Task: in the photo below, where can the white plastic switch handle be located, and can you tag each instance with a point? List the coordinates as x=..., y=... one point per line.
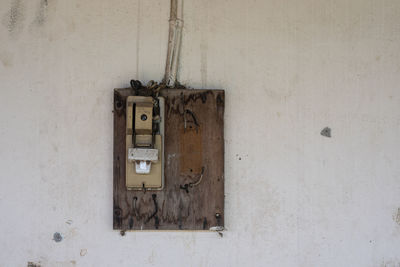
x=143, y=167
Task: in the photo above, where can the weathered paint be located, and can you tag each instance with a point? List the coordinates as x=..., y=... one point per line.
x=289, y=68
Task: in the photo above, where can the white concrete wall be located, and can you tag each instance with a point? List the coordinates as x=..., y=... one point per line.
x=290, y=68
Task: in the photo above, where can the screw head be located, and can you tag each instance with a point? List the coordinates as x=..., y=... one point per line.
x=143, y=117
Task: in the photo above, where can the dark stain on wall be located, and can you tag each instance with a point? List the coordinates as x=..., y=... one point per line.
x=32, y=264
x=326, y=132
x=41, y=14
x=14, y=19
x=396, y=217
x=57, y=237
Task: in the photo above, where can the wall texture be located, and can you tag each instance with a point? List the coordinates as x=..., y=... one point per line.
x=290, y=68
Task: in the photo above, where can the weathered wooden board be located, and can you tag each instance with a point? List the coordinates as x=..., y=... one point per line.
x=188, y=201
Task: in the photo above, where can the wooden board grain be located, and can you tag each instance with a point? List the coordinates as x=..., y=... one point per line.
x=190, y=200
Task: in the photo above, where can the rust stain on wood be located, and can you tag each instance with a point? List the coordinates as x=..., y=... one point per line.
x=191, y=157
